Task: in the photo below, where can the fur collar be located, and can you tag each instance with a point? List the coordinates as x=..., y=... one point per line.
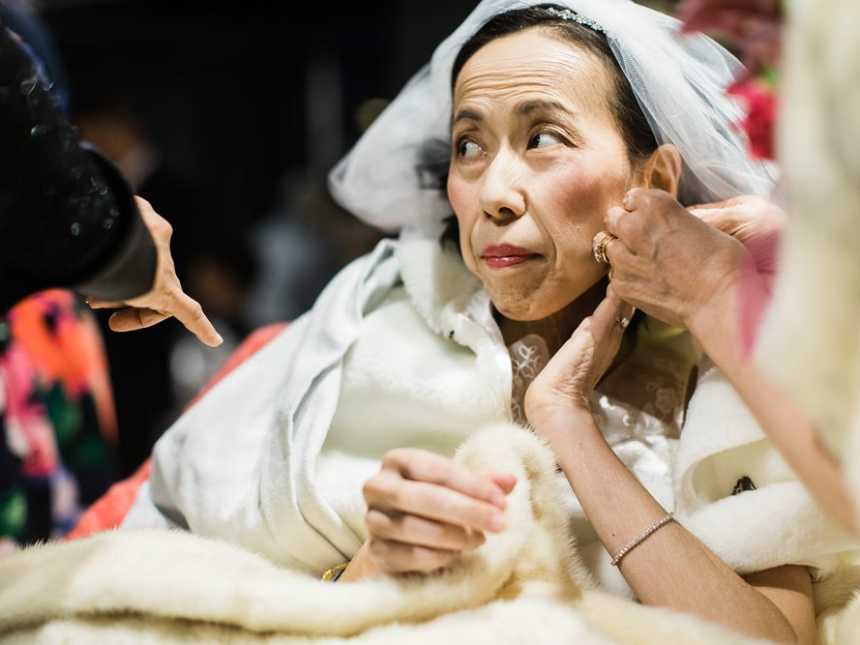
x=455, y=305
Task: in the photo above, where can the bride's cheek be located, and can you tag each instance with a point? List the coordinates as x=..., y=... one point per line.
x=464, y=203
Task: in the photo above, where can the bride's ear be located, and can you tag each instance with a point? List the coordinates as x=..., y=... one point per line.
x=662, y=170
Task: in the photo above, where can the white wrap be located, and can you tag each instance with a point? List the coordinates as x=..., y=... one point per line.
x=250, y=463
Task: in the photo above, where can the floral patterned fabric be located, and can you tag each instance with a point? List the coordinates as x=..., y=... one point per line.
x=57, y=421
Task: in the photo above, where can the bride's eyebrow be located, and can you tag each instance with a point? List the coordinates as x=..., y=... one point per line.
x=527, y=108
x=466, y=115
x=535, y=108
x=524, y=109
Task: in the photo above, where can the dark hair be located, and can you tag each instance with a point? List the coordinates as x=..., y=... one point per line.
x=629, y=117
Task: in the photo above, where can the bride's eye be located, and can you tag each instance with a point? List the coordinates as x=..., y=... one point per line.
x=544, y=140
x=468, y=149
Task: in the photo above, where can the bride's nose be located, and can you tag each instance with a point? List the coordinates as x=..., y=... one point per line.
x=502, y=197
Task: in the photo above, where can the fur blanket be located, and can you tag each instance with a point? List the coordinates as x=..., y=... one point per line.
x=525, y=585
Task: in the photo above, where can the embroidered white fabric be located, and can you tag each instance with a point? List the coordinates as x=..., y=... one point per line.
x=529, y=355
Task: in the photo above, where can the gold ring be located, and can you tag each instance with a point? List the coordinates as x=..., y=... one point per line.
x=599, y=244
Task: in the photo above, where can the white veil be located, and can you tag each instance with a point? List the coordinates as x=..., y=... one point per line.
x=679, y=81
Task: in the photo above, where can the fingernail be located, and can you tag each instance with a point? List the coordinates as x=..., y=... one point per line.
x=628, y=201
x=218, y=339
x=497, y=522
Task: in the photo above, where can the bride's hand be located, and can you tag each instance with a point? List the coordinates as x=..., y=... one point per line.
x=424, y=510
x=564, y=386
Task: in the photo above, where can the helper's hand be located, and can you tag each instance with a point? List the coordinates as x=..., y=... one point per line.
x=668, y=262
x=753, y=221
x=166, y=299
x=424, y=510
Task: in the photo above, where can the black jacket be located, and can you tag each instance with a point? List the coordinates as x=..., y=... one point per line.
x=67, y=217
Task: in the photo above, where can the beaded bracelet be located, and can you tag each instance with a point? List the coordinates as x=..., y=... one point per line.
x=639, y=540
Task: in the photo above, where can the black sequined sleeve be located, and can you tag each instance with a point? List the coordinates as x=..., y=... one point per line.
x=67, y=217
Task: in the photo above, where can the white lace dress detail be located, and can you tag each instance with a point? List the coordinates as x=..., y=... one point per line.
x=529, y=355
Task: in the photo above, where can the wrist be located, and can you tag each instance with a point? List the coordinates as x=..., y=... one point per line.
x=715, y=324
x=361, y=566
x=560, y=422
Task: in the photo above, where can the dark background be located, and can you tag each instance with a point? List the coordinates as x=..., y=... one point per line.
x=236, y=95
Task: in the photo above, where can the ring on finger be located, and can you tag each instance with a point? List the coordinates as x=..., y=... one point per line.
x=599, y=244
x=623, y=322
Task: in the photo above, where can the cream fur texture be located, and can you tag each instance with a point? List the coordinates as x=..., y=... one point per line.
x=810, y=341
x=525, y=585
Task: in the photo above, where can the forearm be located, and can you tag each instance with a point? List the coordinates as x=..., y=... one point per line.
x=717, y=330
x=671, y=568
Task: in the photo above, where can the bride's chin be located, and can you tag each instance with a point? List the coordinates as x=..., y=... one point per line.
x=519, y=309
x=522, y=300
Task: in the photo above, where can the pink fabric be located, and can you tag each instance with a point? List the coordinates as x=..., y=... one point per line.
x=756, y=289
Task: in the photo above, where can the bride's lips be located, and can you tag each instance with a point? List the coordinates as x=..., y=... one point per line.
x=506, y=255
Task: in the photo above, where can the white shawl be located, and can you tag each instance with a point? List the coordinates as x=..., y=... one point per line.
x=242, y=464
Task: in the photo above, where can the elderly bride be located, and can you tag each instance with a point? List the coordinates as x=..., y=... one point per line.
x=332, y=445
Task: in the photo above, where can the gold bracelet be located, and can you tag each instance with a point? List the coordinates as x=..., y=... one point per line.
x=331, y=575
x=639, y=540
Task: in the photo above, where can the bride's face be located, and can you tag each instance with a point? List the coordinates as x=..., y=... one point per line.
x=537, y=161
